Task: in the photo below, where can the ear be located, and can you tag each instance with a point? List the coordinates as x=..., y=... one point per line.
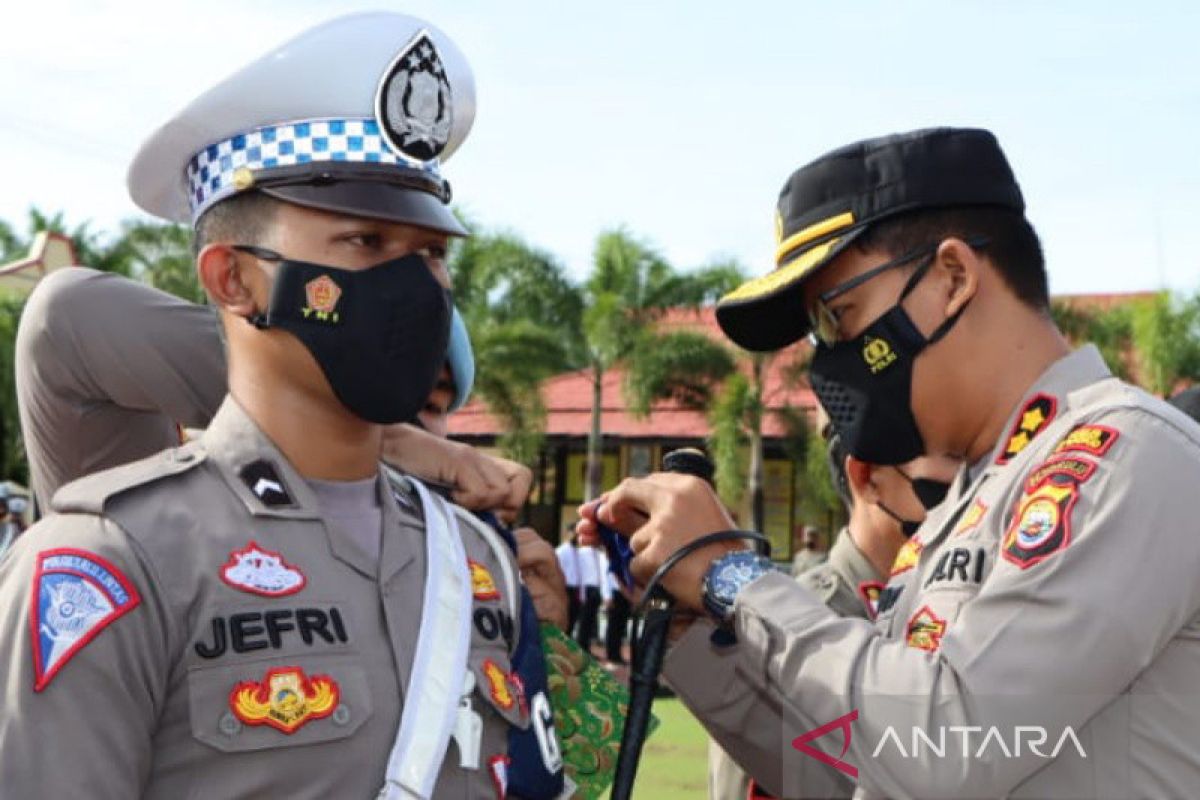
x=860, y=476
x=961, y=266
x=221, y=275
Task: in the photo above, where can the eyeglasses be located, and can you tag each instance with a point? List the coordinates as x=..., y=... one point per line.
x=825, y=322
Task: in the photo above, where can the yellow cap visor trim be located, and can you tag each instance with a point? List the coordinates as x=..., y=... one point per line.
x=789, y=273
x=814, y=231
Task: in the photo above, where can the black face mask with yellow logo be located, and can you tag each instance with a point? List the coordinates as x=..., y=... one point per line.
x=865, y=384
x=378, y=334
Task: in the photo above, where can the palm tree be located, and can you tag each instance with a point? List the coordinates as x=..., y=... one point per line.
x=524, y=317
x=629, y=289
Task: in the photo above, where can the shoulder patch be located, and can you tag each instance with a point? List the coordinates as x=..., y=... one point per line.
x=1042, y=525
x=1060, y=469
x=1093, y=439
x=1032, y=420
x=76, y=595
x=89, y=494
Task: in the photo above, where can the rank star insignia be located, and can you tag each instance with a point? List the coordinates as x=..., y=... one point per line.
x=76, y=595
x=322, y=295
x=285, y=699
x=925, y=630
x=260, y=571
x=483, y=586
x=1034, y=417
x=413, y=104
x=1042, y=524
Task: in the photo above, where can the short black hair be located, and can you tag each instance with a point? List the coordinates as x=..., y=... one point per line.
x=242, y=218
x=1012, y=243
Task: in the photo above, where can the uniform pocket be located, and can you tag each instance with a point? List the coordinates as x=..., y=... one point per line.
x=280, y=702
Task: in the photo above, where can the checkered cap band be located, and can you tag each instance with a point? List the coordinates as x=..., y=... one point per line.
x=210, y=172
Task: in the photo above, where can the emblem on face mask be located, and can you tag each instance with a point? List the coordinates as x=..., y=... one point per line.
x=878, y=354
x=285, y=699
x=322, y=295
x=414, y=105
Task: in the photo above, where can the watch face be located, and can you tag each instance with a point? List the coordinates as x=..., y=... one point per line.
x=735, y=572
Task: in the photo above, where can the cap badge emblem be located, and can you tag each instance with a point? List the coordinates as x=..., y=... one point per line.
x=414, y=105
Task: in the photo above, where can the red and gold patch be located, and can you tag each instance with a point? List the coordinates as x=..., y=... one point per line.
x=925, y=630
x=1034, y=417
x=483, y=586
x=1061, y=469
x=498, y=686
x=1093, y=439
x=907, y=558
x=869, y=592
x=970, y=518
x=1042, y=525
x=285, y=699
x=322, y=295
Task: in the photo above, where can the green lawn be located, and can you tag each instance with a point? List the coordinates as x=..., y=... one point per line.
x=674, y=762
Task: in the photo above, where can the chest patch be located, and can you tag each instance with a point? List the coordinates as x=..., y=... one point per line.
x=257, y=570
x=907, y=558
x=483, y=585
x=76, y=595
x=285, y=699
x=925, y=630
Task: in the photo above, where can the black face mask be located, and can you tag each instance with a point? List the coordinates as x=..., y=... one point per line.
x=907, y=526
x=378, y=334
x=865, y=384
x=931, y=493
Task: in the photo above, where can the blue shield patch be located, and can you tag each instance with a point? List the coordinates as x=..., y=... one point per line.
x=76, y=594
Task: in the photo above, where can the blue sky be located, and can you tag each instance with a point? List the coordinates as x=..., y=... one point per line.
x=680, y=120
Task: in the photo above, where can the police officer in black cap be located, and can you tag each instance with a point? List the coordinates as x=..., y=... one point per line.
x=1056, y=581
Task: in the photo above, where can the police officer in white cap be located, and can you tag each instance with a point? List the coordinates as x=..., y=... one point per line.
x=258, y=613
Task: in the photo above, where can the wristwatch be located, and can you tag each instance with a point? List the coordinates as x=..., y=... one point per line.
x=727, y=576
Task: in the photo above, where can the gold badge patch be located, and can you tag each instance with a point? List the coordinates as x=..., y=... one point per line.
x=878, y=354
x=907, y=558
x=971, y=517
x=483, y=587
x=322, y=295
x=1034, y=417
x=925, y=630
x=285, y=699
x=1093, y=439
x=498, y=686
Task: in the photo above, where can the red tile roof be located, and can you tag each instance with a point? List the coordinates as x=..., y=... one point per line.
x=568, y=397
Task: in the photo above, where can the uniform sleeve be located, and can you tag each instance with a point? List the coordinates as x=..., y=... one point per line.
x=1044, y=644
x=83, y=662
x=836, y=581
x=105, y=369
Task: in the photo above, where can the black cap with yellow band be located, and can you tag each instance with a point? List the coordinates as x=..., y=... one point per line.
x=827, y=204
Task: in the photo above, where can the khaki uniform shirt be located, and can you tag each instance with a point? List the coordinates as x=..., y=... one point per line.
x=106, y=370
x=1043, y=626
x=187, y=626
x=848, y=584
